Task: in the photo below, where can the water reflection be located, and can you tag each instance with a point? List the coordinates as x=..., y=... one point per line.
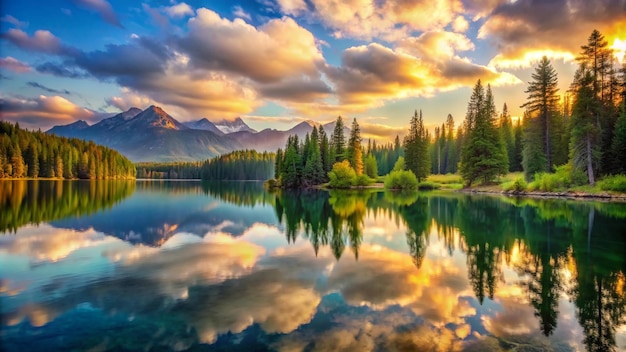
x=31, y=202
x=232, y=267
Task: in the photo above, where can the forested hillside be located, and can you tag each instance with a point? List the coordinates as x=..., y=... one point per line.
x=25, y=153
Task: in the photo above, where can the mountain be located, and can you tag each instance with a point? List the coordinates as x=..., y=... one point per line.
x=204, y=124
x=236, y=125
x=71, y=130
x=270, y=139
x=152, y=135
x=108, y=123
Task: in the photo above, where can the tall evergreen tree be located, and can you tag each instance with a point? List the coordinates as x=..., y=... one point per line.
x=598, y=60
x=542, y=103
x=585, y=131
x=416, y=148
x=506, y=133
x=618, y=147
x=483, y=155
x=314, y=169
x=516, y=162
x=327, y=161
x=338, y=141
x=354, y=150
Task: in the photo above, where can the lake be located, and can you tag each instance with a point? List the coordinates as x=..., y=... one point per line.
x=159, y=266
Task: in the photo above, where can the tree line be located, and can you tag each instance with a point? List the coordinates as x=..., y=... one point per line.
x=582, y=131
x=36, y=154
x=237, y=165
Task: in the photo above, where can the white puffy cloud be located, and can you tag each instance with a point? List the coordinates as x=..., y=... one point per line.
x=179, y=10
x=276, y=50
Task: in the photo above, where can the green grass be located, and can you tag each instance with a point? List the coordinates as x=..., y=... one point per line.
x=445, y=179
x=615, y=183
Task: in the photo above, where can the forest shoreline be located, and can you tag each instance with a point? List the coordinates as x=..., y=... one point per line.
x=575, y=195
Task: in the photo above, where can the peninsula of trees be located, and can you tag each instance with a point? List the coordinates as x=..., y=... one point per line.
x=36, y=154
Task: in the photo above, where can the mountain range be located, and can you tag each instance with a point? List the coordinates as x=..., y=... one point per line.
x=154, y=135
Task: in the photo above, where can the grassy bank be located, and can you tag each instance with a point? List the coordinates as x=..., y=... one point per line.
x=558, y=184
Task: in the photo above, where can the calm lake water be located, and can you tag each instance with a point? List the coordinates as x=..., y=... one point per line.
x=159, y=266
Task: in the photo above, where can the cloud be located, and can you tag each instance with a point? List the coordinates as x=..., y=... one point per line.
x=197, y=93
x=141, y=57
x=43, y=111
x=14, y=21
x=179, y=10
x=274, y=51
x=15, y=65
x=367, y=19
x=239, y=12
x=527, y=29
x=60, y=70
x=296, y=89
x=48, y=89
x=379, y=131
x=292, y=7
x=460, y=24
x=418, y=67
x=42, y=41
x=103, y=8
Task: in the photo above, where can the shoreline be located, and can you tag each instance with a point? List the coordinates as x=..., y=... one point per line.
x=554, y=195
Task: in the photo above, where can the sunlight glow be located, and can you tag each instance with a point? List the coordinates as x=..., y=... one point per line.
x=529, y=58
x=619, y=49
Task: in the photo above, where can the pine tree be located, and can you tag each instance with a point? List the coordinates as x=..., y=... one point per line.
x=416, y=143
x=516, y=161
x=354, y=151
x=506, y=133
x=278, y=163
x=327, y=161
x=314, y=169
x=290, y=177
x=542, y=103
x=451, y=154
x=585, y=132
x=483, y=155
x=338, y=141
x=618, y=147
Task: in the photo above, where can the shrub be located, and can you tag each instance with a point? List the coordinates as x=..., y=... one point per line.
x=342, y=175
x=517, y=186
x=427, y=185
x=363, y=181
x=563, y=177
x=615, y=183
x=401, y=180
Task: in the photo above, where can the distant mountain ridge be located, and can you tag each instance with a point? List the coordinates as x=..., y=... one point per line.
x=154, y=135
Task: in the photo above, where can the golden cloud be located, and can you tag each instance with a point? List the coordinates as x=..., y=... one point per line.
x=523, y=32
x=276, y=50
x=367, y=19
x=418, y=67
x=42, y=111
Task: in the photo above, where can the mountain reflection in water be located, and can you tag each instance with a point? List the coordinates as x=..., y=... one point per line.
x=228, y=266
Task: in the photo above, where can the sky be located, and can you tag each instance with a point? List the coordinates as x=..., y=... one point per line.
x=278, y=62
